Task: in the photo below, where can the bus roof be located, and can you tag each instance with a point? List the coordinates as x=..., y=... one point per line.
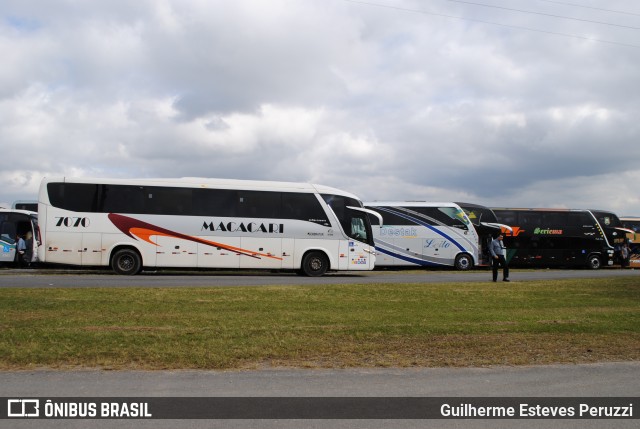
x=541, y=209
x=202, y=182
x=410, y=204
x=472, y=205
x=25, y=212
x=25, y=205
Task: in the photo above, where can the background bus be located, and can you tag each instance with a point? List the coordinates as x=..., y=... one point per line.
x=24, y=223
x=558, y=237
x=487, y=226
x=29, y=205
x=424, y=234
x=632, y=223
x=207, y=223
x=614, y=230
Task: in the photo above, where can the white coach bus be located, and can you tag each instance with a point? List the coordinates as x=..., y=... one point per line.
x=203, y=223
x=417, y=233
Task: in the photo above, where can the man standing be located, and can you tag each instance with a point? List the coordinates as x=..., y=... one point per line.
x=497, y=255
x=21, y=248
x=624, y=256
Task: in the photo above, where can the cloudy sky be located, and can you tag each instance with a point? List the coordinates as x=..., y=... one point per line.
x=526, y=103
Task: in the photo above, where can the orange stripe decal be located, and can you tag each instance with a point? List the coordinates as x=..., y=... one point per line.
x=138, y=229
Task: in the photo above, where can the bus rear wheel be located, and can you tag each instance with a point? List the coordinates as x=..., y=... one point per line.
x=594, y=262
x=126, y=262
x=315, y=264
x=463, y=262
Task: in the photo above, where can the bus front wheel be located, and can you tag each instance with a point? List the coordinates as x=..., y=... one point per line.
x=315, y=264
x=127, y=262
x=594, y=262
x=464, y=262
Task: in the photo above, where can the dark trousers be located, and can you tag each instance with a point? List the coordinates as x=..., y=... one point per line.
x=496, y=264
x=20, y=260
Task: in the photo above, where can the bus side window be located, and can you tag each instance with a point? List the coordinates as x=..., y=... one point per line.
x=8, y=232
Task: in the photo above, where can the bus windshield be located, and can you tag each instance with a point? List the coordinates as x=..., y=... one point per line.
x=456, y=214
x=355, y=223
x=478, y=214
x=607, y=219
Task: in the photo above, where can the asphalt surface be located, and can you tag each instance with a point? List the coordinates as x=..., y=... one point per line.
x=597, y=380
x=105, y=278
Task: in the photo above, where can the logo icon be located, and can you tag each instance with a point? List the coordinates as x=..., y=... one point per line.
x=23, y=408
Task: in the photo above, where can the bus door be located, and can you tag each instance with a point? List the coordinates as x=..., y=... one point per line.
x=8, y=233
x=633, y=239
x=382, y=239
x=355, y=255
x=486, y=233
x=359, y=248
x=11, y=225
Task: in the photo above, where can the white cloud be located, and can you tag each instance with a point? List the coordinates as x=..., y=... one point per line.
x=384, y=102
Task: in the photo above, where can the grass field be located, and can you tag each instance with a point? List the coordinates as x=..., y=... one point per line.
x=399, y=325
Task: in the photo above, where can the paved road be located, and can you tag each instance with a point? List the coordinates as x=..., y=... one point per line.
x=92, y=278
x=601, y=380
